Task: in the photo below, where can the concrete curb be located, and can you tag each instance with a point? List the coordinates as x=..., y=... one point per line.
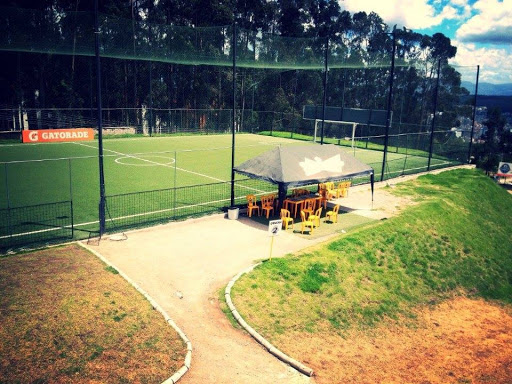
x=260, y=339
x=188, y=357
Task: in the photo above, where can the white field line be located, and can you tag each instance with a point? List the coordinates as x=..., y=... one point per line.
x=119, y=218
x=200, y=137
x=34, y=232
x=115, y=153
x=166, y=165
x=113, y=219
x=44, y=160
x=412, y=169
x=118, y=139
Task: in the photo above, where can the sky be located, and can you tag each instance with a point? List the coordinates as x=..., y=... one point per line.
x=480, y=29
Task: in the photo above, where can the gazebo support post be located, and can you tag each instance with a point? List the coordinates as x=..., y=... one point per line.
x=372, y=182
x=281, y=195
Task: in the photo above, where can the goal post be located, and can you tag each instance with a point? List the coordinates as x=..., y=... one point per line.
x=349, y=116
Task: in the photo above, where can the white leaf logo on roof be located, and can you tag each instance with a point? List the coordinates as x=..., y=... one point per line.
x=317, y=165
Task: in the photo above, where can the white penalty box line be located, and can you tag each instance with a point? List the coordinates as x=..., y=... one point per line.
x=167, y=166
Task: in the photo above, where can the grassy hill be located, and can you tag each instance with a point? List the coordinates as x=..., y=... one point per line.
x=456, y=241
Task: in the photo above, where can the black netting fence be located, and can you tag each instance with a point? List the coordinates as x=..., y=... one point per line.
x=167, y=80
x=150, y=207
x=36, y=224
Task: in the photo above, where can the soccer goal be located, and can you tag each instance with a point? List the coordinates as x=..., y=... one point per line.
x=357, y=117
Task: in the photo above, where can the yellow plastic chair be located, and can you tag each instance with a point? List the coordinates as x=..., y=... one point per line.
x=306, y=223
x=286, y=217
x=267, y=204
x=273, y=200
x=332, y=216
x=309, y=207
x=252, y=205
x=323, y=197
x=343, y=188
x=331, y=191
x=316, y=217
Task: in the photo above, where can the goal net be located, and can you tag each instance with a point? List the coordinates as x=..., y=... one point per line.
x=352, y=117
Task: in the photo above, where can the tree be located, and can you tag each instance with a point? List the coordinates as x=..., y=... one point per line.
x=140, y=26
x=487, y=155
x=292, y=18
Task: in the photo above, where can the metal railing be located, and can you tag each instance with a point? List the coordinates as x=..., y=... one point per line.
x=139, y=209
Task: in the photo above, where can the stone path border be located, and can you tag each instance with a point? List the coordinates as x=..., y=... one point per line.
x=188, y=357
x=260, y=339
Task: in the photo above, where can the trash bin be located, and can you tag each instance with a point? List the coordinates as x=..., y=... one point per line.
x=233, y=213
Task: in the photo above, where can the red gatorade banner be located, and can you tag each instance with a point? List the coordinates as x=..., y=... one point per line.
x=53, y=135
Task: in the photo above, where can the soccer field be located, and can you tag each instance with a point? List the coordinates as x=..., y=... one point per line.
x=147, y=179
x=36, y=174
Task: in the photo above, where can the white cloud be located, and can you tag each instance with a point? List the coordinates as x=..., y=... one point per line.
x=414, y=14
x=449, y=12
x=492, y=23
x=466, y=12
x=495, y=63
x=485, y=21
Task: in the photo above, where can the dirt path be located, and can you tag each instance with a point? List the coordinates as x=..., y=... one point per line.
x=184, y=265
x=195, y=260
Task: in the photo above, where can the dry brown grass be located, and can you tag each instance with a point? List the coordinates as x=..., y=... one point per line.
x=458, y=341
x=65, y=317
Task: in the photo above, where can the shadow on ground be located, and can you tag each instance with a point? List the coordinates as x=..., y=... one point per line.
x=347, y=221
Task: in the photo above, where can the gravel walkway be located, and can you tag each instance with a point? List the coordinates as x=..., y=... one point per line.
x=184, y=266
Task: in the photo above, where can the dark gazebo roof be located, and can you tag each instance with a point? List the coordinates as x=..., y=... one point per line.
x=296, y=165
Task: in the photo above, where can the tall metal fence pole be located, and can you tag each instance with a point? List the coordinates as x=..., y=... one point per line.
x=99, y=122
x=390, y=103
x=474, y=114
x=71, y=199
x=175, y=181
x=434, y=117
x=234, y=117
x=150, y=98
x=324, y=100
x=9, y=230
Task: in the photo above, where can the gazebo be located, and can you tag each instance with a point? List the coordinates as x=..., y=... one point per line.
x=298, y=165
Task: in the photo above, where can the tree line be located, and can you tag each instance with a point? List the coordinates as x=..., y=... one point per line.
x=37, y=80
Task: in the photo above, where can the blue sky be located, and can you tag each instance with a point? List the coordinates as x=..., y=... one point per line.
x=480, y=29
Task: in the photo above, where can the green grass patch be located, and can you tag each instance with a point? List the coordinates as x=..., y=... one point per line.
x=112, y=270
x=225, y=309
x=457, y=239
